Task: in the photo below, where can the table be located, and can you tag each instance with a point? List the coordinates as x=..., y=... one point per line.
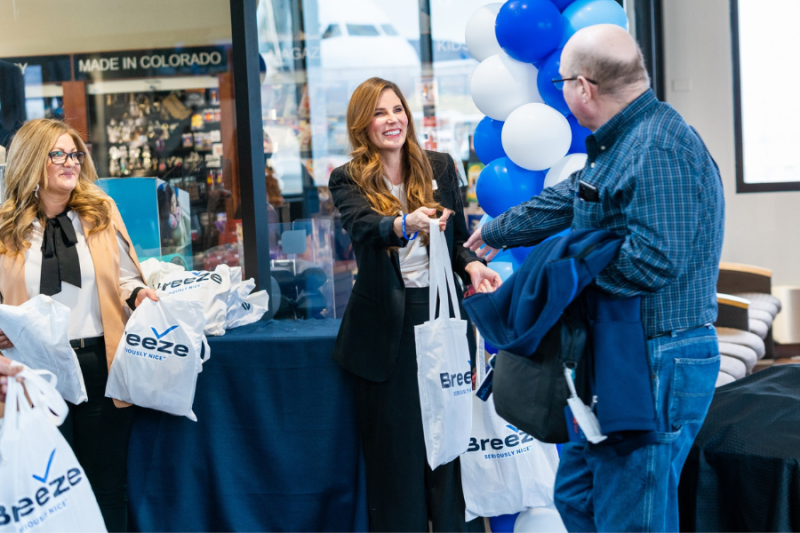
x=743, y=471
x=275, y=447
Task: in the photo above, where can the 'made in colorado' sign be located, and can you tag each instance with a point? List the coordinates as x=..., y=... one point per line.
x=150, y=63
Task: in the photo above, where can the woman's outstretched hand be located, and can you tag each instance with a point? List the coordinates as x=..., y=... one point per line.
x=420, y=220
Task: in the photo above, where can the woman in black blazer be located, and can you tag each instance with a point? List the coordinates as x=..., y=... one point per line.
x=387, y=193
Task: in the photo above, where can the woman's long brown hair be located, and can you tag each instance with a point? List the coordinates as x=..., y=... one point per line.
x=366, y=167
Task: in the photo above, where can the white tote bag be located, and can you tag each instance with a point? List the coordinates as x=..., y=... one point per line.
x=160, y=355
x=42, y=485
x=244, y=308
x=443, y=364
x=211, y=288
x=39, y=330
x=505, y=470
x=154, y=271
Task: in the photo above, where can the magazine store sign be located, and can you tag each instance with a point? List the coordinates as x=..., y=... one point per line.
x=150, y=63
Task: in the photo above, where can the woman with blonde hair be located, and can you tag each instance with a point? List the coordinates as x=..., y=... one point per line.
x=387, y=195
x=62, y=236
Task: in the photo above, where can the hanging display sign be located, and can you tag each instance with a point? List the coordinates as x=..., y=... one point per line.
x=202, y=60
x=43, y=69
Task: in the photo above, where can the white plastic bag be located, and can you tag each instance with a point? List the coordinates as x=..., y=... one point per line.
x=39, y=330
x=154, y=270
x=443, y=364
x=245, y=308
x=211, y=288
x=43, y=486
x=160, y=355
x=505, y=470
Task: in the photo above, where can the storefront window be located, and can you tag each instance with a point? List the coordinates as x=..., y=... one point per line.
x=316, y=54
x=157, y=109
x=152, y=93
x=456, y=113
x=763, y=125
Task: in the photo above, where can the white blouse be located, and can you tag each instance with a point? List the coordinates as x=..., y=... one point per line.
x=414, y=257
x=84, y=302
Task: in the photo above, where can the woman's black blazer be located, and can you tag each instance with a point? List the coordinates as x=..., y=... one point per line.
x=370, y=332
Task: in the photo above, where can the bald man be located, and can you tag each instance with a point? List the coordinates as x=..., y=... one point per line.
x=649, y=179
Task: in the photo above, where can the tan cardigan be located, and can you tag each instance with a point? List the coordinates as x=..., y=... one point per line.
x=104, y=250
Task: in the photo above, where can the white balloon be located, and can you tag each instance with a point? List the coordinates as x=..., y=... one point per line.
x=501, y=84
x=480, y=38
x=562, y=170
x=535, y=136
x=539, y=520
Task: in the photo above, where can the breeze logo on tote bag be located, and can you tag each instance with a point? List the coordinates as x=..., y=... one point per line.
x=211, y=288
x=505, y=470
x=443, y=363
x=42, y=486
x=160, y=355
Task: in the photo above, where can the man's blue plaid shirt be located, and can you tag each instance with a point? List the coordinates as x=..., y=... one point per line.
x=661, y=190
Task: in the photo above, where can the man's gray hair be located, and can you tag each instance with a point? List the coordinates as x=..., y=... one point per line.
x=612, y=75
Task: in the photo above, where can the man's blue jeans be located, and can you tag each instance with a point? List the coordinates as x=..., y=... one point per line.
x=598, y=490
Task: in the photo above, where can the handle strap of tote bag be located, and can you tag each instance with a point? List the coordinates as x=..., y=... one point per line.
x=480, y=359
x=41, y=387
x=11, y=416
x=441, y=275
x=41, y=392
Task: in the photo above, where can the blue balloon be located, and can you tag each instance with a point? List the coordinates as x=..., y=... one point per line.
x=579, y=134
x=562, y=4
x=504, y=256
x=488, y=145
x=529, y=30
x=547, y=89
x=566, y=34
x=503, y=523
x=503, y=268
x=583, y=13
x=502, y=185
x=520, y=254
x=484, y=219
x=489, y=349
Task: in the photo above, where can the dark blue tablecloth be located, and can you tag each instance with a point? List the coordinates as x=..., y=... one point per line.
x=275, y=447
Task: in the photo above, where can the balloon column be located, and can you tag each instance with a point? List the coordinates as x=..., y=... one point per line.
x=528, y=139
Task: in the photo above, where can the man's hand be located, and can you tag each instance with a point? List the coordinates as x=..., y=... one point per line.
x=484, y=279
x=146, y=293
x=481, y=249
x=5, y=372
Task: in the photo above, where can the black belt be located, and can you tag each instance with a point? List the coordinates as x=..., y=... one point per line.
x=676, y=331
x=77, y=344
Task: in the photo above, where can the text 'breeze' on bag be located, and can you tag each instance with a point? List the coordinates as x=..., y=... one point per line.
x=160, y=354
x=43, y=488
